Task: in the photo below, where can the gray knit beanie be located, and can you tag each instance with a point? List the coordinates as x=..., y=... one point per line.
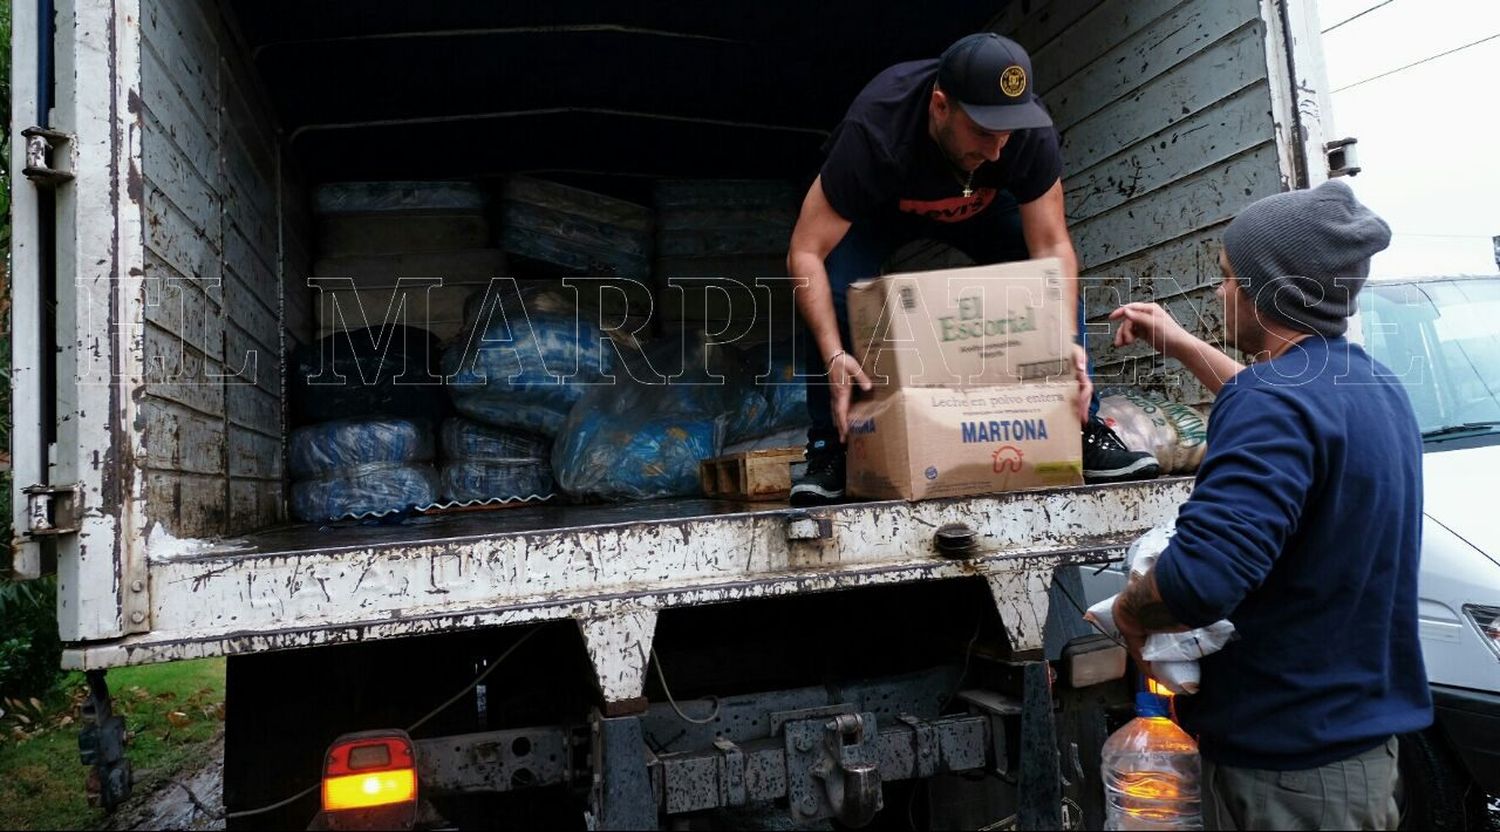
x=1303, y=256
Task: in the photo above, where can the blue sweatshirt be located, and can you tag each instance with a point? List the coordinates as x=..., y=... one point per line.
x=1304, y=529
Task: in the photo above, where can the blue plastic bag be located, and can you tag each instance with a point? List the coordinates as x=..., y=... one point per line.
x=599, y=457
x=643, y=436
x=319, y=450
x=464, y=481
x=523, y=365
x=466, y=440
x=784, y=394
x=371, y=489
x=485, y=463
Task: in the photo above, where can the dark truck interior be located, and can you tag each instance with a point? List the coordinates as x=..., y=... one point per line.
x=588, y=91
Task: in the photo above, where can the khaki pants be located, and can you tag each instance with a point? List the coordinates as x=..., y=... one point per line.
x=1357, y=793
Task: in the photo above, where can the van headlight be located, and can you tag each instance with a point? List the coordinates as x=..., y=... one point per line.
x=1487, y=621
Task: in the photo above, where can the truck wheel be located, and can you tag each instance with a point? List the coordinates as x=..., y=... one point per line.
x=1436, y=792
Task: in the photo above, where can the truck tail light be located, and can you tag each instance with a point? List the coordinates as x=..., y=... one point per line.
x=370, y=777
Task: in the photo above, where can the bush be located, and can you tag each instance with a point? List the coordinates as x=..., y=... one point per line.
x=30, y=652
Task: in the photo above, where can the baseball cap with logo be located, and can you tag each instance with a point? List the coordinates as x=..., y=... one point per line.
x=990, y=77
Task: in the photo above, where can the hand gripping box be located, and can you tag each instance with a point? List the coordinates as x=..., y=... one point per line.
x=1000, y=324
x=975, y=392
x=921, y=442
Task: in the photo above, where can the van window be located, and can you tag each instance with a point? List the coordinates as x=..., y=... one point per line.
x=1442, y=339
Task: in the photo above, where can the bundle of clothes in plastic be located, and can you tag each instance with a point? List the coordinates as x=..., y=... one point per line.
x=531, y=399
x=1170, y=658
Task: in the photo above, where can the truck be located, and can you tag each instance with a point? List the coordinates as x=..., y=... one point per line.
x=682, y=662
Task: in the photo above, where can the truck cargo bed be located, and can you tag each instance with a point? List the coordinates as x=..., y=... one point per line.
x=303, y=585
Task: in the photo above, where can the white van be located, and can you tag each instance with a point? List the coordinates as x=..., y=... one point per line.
x=1442, y=337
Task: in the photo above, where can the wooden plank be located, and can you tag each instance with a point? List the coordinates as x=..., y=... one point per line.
x=250, y=204
x=1201, y=200
x=253, y=263
x=1153, y=375
x=1167, y=42
x=1036, y=24
x=1210, y=76
x=1192, y=258
x=183, y=48
x=1140, y=367
x=1198, y=310
x=187, y=505
x=254, y=406
x=254, y=455
x=1207, y=138
x=750, y=475
x=250, y=364
x=165, y=166
x=1094, y=34
x=185, y=307
x=166, y=106
x=237, y=66
x=247, y=125
x=247, y=362
x=1161, y=271
x=249, y=303
x=255, y=504
x=177, y=372
x=210, y=286
x=178, y=439
x=174, y=238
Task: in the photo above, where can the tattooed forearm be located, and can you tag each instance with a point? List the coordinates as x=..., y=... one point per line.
x=1142, y=601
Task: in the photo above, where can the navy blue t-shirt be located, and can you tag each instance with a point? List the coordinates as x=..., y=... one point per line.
x=882, y=161
x=1304, y=530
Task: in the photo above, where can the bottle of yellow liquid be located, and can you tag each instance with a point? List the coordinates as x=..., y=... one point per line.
x=1151, y=772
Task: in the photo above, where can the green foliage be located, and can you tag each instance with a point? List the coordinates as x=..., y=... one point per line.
x=5, y=143
x=173, y=713
x=30, y=652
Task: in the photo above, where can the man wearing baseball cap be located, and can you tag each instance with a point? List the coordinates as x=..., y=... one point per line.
x=957, y=150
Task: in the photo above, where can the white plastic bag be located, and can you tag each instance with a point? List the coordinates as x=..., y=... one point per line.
x=1170, y=658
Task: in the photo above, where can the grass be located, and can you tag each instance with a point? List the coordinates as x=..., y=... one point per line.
x=172, y=713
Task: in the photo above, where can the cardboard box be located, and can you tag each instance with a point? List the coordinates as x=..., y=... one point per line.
x=924, y=442
x=1002, y=324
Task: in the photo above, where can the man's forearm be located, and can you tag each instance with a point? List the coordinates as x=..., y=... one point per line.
x=815, y=302
x=1207, y=363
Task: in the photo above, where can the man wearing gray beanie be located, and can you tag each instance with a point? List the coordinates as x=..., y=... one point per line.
x=1303, y=529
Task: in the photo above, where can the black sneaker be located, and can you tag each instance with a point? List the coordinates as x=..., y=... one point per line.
x=1106, y=459
x=823, y=482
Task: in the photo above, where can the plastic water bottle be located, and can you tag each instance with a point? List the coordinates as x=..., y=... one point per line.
x=1151, y=772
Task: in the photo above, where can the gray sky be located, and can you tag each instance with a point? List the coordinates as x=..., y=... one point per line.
x=1426, y=134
